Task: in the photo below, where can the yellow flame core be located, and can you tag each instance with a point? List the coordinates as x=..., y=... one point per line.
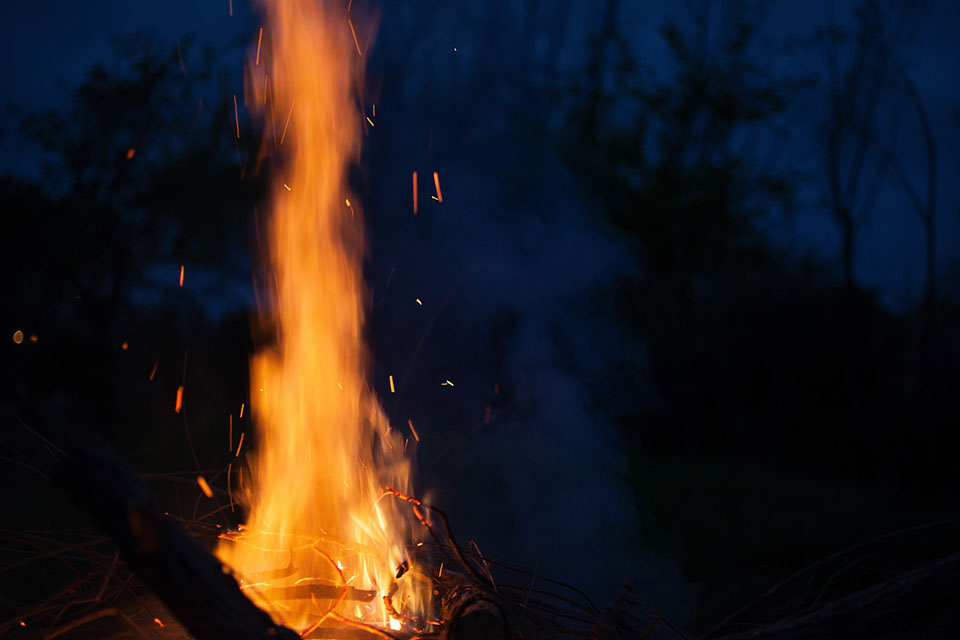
x=325, y=450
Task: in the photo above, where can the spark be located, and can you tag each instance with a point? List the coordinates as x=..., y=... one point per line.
x=124, y=346
x=392, y=390
x=416, y=436
x=130, y=153
x=207, y=491
x=153, y=371
x=419, y=303
x=236, y=115
x=179, y=404
x=259, y=40
x=34, y=339
x=229, y=488
x=180, y=57
x=370, y=121
x=446, y=383
x=181, y=275
x=17, y=336
x=286, y=187
x=436, y=183
x=290, y=113
x=239, y=444
x=440, y=573
x=414, y=193
x=360, y=53
x=374, y=110
x=231, y=8
x=241, y=409
x=22, y=623
x=406, y=441
x=157, y=620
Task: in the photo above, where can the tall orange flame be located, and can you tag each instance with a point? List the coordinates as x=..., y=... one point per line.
x=325, y=449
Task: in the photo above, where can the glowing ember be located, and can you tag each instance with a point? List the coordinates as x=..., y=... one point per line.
x=204, y=486
x=325, y=450
x=436, y=183
x=414, y=193
x=179, y=403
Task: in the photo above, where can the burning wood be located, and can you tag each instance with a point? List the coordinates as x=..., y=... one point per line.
x=324, y=446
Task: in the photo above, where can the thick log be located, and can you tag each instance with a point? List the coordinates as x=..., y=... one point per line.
x=196, y=587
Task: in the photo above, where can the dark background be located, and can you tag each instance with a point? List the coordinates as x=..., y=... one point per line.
x=681, y=276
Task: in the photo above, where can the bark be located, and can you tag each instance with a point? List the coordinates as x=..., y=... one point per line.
x=472, y=614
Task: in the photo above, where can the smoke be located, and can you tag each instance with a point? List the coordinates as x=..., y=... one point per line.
x=514, y=365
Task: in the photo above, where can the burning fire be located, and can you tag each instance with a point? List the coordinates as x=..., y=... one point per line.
x=318, y=520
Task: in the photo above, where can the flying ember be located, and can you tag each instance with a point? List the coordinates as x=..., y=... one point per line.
x=317, y=521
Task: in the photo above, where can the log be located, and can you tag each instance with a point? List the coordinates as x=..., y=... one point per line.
x=472, y=613
x=194, y=585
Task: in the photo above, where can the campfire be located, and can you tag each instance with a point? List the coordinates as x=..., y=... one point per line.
x=335, y=544
x=337, y=541
x=323, y=518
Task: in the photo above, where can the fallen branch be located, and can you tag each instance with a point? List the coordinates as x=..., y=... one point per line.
x=196, y=587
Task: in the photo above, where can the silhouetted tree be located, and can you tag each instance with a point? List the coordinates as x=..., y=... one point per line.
x=141, y=176
x=861, y=126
